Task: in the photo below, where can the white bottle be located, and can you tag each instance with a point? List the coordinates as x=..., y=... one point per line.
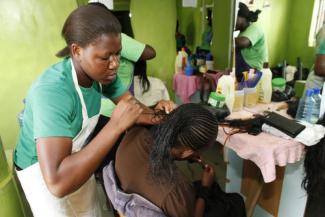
x=178, y=62
x=265, y=86
x=226, y=85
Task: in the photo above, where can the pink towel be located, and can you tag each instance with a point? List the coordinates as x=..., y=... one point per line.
x=265, y=150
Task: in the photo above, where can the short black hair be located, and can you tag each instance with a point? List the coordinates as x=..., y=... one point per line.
x=246, y=13
x=85, y=24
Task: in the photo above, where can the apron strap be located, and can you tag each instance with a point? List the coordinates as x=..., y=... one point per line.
x=76, y=84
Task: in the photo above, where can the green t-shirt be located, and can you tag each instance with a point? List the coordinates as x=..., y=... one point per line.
x=53, y=109
x=256, y=54
x=131, y=52
x=206, y=38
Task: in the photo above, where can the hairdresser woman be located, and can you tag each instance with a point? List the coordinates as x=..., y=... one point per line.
x=54, y=163
x=251, y=49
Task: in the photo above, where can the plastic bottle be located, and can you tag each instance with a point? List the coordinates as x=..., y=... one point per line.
x=181, y=61
x=226, y=85
x=209, y=61
x=200, y=59
x=178, y=62
x=316, y=109
x=216, y=99
x=306, y=106
x=184, y=58
x=265, y=86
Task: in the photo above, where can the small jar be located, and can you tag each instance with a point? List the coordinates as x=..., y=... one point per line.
x=217, y=99
x=278, y=84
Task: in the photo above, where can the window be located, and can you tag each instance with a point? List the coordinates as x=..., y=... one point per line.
x=317, y=21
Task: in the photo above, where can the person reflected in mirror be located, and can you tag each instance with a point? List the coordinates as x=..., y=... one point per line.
x=150, y=91
x=207, y=34
x=316, y=77
x=180, y=38
x=250, y=44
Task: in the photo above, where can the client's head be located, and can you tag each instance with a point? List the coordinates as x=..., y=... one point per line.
x=180, y=136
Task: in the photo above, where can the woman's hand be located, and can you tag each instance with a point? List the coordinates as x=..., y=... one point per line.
x=126, y=113
x=208, y=176
x=165, y=105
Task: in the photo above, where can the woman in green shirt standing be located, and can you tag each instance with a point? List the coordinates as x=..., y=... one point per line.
x=53, y=158
x=251, y=49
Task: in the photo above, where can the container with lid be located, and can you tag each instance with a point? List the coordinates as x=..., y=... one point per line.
x=209, y=61
x=278, y=84
x=239, y=100
x=251, y=97
x=217, y=99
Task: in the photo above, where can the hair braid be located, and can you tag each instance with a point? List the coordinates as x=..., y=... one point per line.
x=189, y=125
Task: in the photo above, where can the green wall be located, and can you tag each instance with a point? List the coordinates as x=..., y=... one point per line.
x=286, y=24
x=29, y=39
x=274, y=21
x=154, y=23
x=222, y=23
x=298, y=32
x=190, y=24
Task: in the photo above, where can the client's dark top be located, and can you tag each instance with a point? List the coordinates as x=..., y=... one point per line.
x=176, y=199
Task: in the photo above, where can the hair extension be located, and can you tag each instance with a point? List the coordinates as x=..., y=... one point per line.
x=140, y=69
x=244, y=125
x=314, y=164
x=189, y=125
x=85, y=24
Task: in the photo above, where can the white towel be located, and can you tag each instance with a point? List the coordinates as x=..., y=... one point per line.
x=311, y=135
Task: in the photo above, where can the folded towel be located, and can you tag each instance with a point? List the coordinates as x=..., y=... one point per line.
x=310, y=136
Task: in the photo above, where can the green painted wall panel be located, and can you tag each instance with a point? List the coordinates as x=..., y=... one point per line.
x=298, y=32
x=4, y=168
x=286, y=24
x=190, y=24
x=29, y=39
x=274, y=21
x=154, y=23
x=9, y=200
x=223, y=12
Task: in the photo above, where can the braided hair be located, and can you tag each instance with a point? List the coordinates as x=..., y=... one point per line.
x=189, y=125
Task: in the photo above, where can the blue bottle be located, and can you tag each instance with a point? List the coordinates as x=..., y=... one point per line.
x=316, y=109
x=306, y=105
x=189, y=69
